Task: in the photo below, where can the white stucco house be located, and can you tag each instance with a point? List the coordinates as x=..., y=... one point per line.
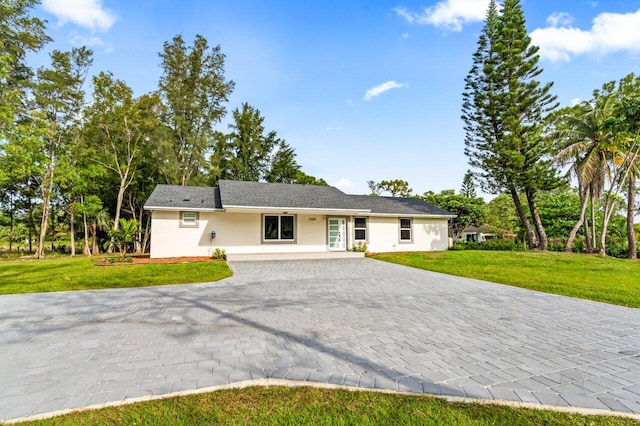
x=257, y=217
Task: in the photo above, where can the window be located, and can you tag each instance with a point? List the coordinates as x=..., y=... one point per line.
x=405, y=230
x=360, y=228
x=188, y=219
x=279, y=228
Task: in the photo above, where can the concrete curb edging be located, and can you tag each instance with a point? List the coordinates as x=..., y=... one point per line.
x=296, y=383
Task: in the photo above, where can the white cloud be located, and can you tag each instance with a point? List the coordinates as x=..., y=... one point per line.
x=405, y=35
x=76, y=39
x=560, y=19
x=448, y=14
x=610, y=32
x=380, y=89
x=84, y=13
x=333, y=129
x=343, y=184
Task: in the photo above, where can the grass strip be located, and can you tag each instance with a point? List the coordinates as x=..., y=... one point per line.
x=313, y=406
x=82, y=273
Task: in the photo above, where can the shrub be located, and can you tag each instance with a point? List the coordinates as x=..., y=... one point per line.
x=360, y=247
x=493, y=244
x=219, y=254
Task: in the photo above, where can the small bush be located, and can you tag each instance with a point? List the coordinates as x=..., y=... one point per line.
x=127, y=259
x=556, y=244
x=360, y=247
x=493, y=244
x=219, y=254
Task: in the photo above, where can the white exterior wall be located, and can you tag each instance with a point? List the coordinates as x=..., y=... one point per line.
x=241, y=233
x=428, y=235
x=237, y=233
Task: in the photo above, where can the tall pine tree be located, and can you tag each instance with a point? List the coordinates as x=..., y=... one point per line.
x=503, y=108
x=468, y=188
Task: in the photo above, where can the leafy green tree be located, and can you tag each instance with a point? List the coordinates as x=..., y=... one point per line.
x=20, y=34
x=58, y=96
x=628, y=124
x=503, y=107
x=468, y=188
x=243, y=154
x=120, y=127
x=304, y=179
x=283, y=166
x=88, y=207
x=467, y=210
x=501, y=213
x=194, y=91
x=374, y=187
x=395, y=187
x=559, y=210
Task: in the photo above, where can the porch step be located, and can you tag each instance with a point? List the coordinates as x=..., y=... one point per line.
x=294, y=256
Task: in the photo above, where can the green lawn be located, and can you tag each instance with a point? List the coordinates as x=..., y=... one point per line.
x=310, y=406
x=602, y=279
x=82, y=273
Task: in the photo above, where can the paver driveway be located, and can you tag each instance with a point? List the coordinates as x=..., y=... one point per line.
x=357, y=322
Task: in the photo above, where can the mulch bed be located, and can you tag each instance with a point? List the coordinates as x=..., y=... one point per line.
x=165, y=260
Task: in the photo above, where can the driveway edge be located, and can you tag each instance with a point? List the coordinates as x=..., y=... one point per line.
x=268, y=382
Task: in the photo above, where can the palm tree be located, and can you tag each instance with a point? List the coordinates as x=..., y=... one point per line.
x=585, y=142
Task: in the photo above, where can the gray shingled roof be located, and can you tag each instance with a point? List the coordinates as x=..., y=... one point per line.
x=262, y=194
x=184, y=197
x=280, y=195
x=398, y=205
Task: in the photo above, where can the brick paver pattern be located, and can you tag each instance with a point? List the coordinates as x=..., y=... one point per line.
x=355, y=322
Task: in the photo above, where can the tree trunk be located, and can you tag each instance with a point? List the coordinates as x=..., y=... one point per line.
x=583, y=211
x=533, y=208
x=46, y=196
x=632, y=253
x=85, y=246
x=531, y=236
x=606, y=216
x=116, y=220
x=10, y=220
x=593, y=224
x=147, y=235
x=32, y=225
x=587, y=236
x=94, y=231
x=72, y=232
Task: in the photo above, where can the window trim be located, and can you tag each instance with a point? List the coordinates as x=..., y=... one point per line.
x=196, y=222
x=400, y=229
x=278, y=240
x=365, y=229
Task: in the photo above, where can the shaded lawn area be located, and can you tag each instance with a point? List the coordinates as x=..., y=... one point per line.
x=82, y=273
x=310, y=406
x=602, y=279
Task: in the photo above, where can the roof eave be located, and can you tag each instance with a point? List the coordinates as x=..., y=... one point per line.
x=296, y=210
x=182, y=209
x=425, y=215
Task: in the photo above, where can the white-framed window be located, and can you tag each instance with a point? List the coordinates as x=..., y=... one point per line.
x=360, y=228
x=278, y=228
x=189, y=219
x=406, y=231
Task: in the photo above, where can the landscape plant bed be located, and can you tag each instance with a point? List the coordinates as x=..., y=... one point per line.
x=142, y=260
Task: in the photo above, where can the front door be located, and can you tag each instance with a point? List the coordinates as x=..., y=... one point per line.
x=337, y=234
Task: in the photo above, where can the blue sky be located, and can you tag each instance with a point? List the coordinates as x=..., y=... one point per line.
x=361, y=89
